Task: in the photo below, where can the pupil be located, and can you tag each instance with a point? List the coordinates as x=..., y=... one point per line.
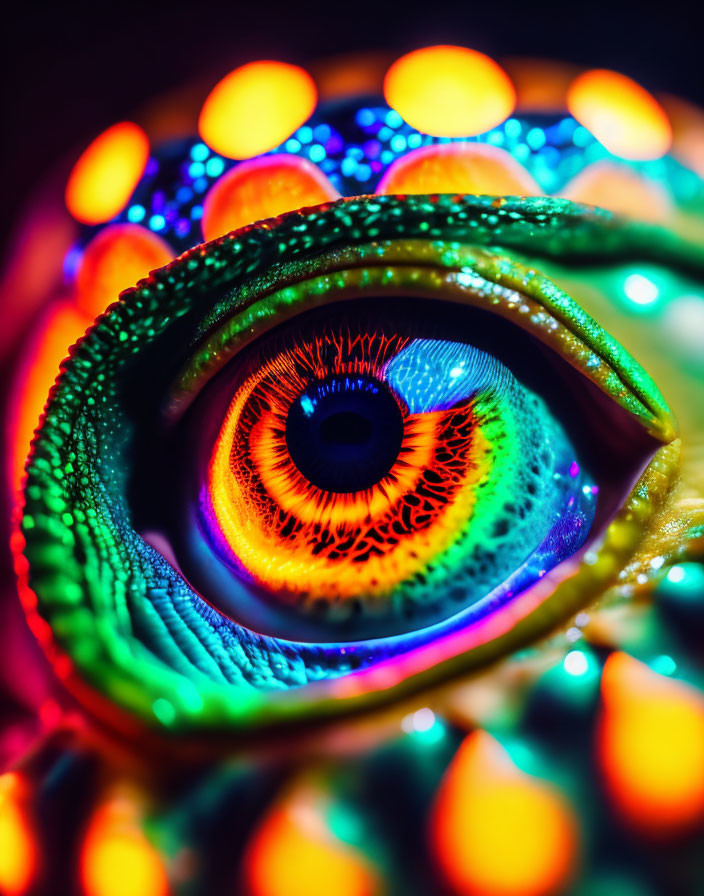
x=344, y=433
x=346, y=428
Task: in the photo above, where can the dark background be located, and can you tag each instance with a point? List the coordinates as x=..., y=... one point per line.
x=73, y=69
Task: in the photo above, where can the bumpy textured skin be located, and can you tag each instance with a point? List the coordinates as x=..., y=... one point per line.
x=77, y=478
x=145, y=653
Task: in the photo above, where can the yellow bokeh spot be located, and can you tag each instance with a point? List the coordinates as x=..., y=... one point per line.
x=263, y=188
x=117, y=858
x=17, y=847
x=651, y=746
x=496, y=831
x=104, y=177
x=459, y=168
x=291, y=854
x=449, y=91
x=620, y=114
x=114, y=260
x=255, y=108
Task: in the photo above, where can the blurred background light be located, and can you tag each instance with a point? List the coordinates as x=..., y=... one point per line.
x=294, y=853
x=114, y=260
x=459, y=168
x=104, y=177
x=255, y=108
x=263, y=188
x=117, y=859
x=640, y=289
x=651, y=746
x=18, y=852
x=496, y=831
x=620, y=114
x=449, y=91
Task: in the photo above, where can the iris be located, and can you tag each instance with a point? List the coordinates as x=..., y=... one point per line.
x=374, y=474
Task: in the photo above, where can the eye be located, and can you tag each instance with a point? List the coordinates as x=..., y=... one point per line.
x=372, y=475
x=220, y=519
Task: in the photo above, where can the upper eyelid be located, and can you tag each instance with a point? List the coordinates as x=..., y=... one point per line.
x=578, y=226
x=543, y=226
x=473, y=277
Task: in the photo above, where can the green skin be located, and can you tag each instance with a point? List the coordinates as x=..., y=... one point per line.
x=95, y=578
x=148, y=665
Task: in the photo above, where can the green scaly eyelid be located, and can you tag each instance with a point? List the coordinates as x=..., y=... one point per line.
x=550, y=227
x=417, y=268
x=87, y=570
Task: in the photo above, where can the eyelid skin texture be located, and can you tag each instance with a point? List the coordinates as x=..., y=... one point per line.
x=473, y=275
x=98, y=584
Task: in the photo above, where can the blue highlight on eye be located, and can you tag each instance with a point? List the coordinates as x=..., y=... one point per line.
x=307, y=405
x=436, y=374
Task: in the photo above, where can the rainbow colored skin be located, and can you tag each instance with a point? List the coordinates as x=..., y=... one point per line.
x=192, y=688
x=168, y=665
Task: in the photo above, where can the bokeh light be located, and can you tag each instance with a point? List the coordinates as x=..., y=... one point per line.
x=255, y=108
x=263, y=188
x=621, y=114
x=615, y=186
x=459, y=168
x=498, y=832
x=683, y=322
x=640, y=289
x=104, y=177
x=55, y=331
x=576, y=663
x=449, y=91
x=293, y=853
x=18, y=853
x=651, y=746
x=116, y=857
x=114, y=260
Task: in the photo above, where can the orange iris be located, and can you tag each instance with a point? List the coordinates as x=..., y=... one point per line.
x=298, y=539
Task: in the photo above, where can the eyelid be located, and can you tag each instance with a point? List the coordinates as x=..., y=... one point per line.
x=105, y=649
x=467, y=274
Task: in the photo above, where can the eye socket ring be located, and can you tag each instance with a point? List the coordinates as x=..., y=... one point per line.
x=71, y=441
